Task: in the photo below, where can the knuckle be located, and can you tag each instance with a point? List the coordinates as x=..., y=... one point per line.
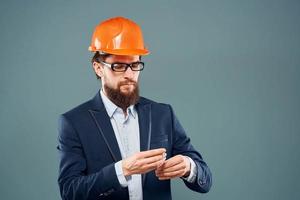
x=182, y=159
x=137, y=155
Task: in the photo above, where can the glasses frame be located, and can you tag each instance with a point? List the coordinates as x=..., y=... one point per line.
x=111, y=66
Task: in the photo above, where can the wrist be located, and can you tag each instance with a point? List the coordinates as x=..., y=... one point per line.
x=125, y=171
x=188, y=167
x=187, y=174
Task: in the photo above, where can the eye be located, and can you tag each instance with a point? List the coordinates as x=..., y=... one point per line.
x=119, y=66
x=137, y=65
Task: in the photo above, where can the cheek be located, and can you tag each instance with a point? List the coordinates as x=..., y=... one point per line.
x=110, y=81
x=136, y=77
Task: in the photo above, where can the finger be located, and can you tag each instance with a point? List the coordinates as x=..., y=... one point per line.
x=146, y=164
x=171, y=162
x=171, y=175
x=163, y=160
x=150, y=153
x=175, y=168
x=161, y=163
x=180, y=166
x=146, y=168
x=150, y=160
x=166, y=178
x=177, y=173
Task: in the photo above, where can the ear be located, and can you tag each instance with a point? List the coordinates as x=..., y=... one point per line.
x=98, y=68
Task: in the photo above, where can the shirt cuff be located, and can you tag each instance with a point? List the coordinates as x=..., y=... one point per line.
x=119, y=171
x=193, y=173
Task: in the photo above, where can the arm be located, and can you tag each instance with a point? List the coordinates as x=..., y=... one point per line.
x=183, y=146
x=73, y=182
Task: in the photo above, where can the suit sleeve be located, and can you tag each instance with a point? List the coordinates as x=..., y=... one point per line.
x=73, y=182
x=183, y=146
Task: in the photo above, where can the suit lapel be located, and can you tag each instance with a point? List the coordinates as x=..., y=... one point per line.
x=145, y=122
x=144, y=113
x=105, y=128
x=106, y=131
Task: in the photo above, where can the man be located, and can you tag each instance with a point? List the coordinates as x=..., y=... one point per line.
x=119, y=145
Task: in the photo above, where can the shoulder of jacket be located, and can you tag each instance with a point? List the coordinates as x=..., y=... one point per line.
x=79, y=109
x=145, y=101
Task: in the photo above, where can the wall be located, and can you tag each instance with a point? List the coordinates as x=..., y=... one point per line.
x=229, y=68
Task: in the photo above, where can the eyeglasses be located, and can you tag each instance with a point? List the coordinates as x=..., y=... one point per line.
x=122, y=67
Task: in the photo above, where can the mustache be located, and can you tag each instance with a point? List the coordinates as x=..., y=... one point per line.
x=127, y=82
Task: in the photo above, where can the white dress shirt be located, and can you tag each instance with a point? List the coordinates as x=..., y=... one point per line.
x=126, y=129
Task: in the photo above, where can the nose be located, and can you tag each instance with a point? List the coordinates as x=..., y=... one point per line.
x=129, y=73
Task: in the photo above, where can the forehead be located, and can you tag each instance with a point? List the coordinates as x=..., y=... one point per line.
x=122, y=58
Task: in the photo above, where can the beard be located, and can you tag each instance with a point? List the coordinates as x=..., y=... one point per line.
x=121, y=99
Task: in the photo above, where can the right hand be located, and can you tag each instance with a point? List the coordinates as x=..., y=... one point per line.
x=143, y=162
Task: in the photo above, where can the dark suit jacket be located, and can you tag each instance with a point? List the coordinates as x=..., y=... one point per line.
x=88, y=151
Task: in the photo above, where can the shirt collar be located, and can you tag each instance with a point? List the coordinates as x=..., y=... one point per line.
x=111, y=107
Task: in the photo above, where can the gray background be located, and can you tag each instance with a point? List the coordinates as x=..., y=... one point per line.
x=229, y=68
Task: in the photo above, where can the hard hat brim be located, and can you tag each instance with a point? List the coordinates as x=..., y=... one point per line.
x=128, y=52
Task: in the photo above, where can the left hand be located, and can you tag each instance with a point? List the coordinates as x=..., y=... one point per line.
x=177, y=166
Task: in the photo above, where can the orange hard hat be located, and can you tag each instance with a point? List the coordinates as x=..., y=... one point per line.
x=119, y=36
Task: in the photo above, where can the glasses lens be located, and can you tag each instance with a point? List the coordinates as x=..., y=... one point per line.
x=122, y=67
x=137, y=66
x=119, y=67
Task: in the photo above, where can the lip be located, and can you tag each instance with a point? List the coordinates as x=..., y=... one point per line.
x=128, y=84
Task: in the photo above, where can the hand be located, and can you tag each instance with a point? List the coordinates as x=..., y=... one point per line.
x=177, y=166
x=143, y=162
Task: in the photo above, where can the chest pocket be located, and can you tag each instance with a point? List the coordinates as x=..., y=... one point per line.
x=159, y=141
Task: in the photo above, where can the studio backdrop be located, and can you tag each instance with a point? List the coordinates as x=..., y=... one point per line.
x=230, y=69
